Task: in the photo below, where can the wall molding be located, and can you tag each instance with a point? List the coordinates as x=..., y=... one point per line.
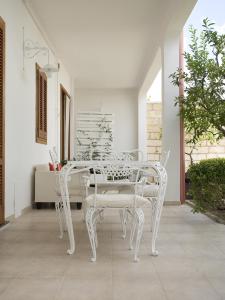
x=24, y=211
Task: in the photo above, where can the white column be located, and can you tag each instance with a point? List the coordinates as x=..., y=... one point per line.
x=170, y=118
x=72, y=120
x=142, y=125
x=142, y=102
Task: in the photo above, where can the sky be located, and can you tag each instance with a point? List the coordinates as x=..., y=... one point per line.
x=214, y=10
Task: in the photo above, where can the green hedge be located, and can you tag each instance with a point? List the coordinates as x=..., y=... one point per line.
x=207, y=184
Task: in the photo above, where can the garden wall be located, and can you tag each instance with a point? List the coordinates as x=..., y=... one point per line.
x=154, y=135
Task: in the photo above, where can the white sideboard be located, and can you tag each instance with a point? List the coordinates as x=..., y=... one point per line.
x=45, y=186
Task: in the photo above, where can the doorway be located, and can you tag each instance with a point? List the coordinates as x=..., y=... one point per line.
x=64, y=124
x=2, y=121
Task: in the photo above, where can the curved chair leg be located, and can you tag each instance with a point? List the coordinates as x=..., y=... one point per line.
x=60, y=218
x=67, y=215
x=133, y=228
x=70, y=230
x=156, y=221
x=95, y=232
x=140, y=222
x=153, y=203
x=123, y=217
x=69, y=224
x=91, y=231
x=84, y=209
x=101, y=216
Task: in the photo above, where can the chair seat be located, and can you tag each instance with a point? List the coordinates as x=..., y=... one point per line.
x=116, y=201
x=150, y=190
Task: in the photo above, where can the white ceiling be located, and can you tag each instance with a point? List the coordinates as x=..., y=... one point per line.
x=107, y=43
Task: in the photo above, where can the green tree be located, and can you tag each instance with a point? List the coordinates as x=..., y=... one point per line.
x=203, y=104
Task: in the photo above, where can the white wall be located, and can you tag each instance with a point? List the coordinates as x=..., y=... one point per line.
x=122, y=103
x=22, y=152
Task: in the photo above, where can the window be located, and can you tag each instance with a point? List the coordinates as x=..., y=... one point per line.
x=41, y=106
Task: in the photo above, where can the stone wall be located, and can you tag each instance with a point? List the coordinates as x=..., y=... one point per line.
x=154, y=130
x=154, y=143
x=205, y=151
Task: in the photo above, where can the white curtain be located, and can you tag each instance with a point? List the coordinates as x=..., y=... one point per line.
x=67, y=128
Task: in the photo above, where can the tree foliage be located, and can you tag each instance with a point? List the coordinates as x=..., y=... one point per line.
x=203, y=104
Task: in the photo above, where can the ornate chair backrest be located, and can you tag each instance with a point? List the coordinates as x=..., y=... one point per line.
x=64, y=177
x=162, y=182
x=158, y=172
x=164, y=158
x=124, y=156
x=115, y=173
x=135, y=154
x=129, y=155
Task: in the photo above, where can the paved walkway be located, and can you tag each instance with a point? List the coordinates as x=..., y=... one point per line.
x=191, y=265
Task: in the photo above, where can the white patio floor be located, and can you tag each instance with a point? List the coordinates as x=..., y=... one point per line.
x=191, y=265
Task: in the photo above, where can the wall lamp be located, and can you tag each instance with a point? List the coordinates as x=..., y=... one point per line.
x=32, y=49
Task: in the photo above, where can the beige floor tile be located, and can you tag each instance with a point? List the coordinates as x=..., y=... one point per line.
x=10, y=266
x=143, y=288
x=17, y=249
x=34, y=226
x=168, y=249
x=220, y=244
x=32, y=289
x=190, y=289
x=45, y=267
x=9, y=236
x=85, y=289
x=127, y=256
x=90, y=270
x=203, y=251
x=124, y=269
x=37, y=237
x=218, y=285
x=51, y=248
x=104, y=251
x=212, y=267
x=191, y=237
x=4, y=283
x=175, y=267
x=191, y=264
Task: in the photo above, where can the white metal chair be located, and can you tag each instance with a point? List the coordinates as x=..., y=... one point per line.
x=156, y=197
x=59, y=202
x=62, y=204
x=114, y=174
x=155, y=193
x=125, y=156
x=65, y=212
x=164, y=158
x=134, y=154
x=151, y=188
x=128, y=155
